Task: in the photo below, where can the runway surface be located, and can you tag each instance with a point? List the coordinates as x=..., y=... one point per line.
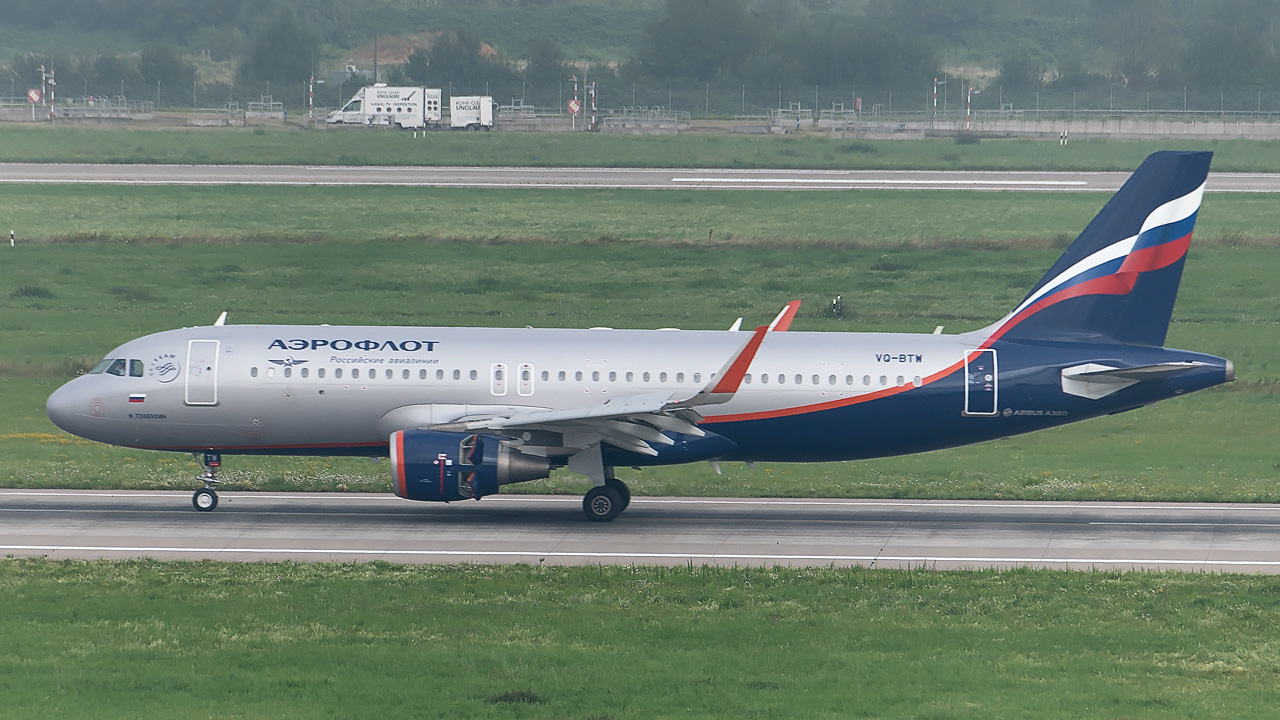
x=600, y=178
x=653, y=531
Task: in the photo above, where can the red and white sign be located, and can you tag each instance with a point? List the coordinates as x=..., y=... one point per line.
x=33, y=95
x=575, y=107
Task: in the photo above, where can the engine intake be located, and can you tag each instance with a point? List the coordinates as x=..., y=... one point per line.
x=446, y=466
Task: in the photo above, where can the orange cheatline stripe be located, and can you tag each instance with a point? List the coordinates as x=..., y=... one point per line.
x=832, y=404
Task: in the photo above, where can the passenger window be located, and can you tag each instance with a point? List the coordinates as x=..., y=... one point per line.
x=697, y=377
x=662, y=377
x=319, y=372
x=135, y=368
x=305, y=372
x=782, y=379
x=355, y=373
x=866, y=379
x=473, y=374
x=764, y=379
x=271, y=372
x=884, y=380
x=561, y=375
x=546, y=375
x=645, y=377
x=901, y=381
x=422, y=374
x=253, y=372
x=288, y=372
x=679, y=377
x=577, y=375
x=799, y=379
x=832, y=380
x=118, y=367
x=439, y=374
x=630, y=377
x=613, y=377
x=816, y=380
x=457, y=374
x=337, y=372
x=747, y=378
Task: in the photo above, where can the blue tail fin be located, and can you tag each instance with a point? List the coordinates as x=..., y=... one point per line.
x=1119, y=279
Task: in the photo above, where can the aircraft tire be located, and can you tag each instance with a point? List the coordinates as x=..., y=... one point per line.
x=622, y=489
x=204, y=499
x=602, y=503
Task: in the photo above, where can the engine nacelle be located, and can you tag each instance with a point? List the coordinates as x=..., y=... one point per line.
x=445, y=466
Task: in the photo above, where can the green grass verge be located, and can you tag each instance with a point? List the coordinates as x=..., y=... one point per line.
x=711, y=219
x=355, y=146
x=168, y=639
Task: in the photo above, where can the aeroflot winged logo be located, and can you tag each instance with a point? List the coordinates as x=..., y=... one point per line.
x=342, y=344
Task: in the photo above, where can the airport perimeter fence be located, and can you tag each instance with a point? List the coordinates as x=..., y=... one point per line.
x=727, y=101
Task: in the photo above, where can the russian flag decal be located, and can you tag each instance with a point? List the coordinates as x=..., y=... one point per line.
x=138, y=397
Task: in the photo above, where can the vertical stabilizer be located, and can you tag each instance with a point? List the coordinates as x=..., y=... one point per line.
x=1119, y=279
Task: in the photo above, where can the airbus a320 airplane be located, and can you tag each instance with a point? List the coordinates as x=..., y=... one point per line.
x=463, y=411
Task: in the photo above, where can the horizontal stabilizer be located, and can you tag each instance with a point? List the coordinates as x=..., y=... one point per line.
x=1096, y=381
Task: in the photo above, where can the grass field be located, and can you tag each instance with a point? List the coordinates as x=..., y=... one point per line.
x=180, y=640
x=275, y=144
x=66, y=301
x=152, y=639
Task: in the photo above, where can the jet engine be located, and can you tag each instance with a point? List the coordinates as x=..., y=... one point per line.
x=446, y=466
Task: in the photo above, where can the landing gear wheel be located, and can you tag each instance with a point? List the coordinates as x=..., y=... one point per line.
x=205, y=499
x=623, y=491
x=602, y=503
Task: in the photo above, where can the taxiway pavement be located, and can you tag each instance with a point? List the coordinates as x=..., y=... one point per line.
x=617, y=178
x=653, y=531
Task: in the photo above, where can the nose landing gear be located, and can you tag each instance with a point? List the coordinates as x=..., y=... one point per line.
x=206, y=498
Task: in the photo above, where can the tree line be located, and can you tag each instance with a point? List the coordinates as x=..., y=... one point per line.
x=1031, y=44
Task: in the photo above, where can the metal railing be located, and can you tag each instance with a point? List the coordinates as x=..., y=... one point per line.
x=517, y=109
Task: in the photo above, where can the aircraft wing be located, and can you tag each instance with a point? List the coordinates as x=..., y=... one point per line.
x=1096, y=381
x=630, y=422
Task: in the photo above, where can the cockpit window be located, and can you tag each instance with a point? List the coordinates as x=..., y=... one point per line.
x=117, y=367
x=135, y=368
x=101, y=367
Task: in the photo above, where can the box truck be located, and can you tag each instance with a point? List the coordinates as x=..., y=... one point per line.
x=471, y=112
x=405, y=107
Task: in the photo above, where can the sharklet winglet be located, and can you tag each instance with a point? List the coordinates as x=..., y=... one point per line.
x=783, y=322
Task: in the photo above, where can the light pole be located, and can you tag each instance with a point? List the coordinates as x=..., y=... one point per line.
x=968, y=107
x=936, y=83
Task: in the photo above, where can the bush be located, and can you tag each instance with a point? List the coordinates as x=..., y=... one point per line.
x=860, y=148
x=967, y=139
x=33, y=291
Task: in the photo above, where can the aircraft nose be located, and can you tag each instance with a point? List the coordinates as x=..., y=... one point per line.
x=62, y=405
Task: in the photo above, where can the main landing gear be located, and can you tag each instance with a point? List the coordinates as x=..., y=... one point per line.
x=603, y=503
x=206, y=498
